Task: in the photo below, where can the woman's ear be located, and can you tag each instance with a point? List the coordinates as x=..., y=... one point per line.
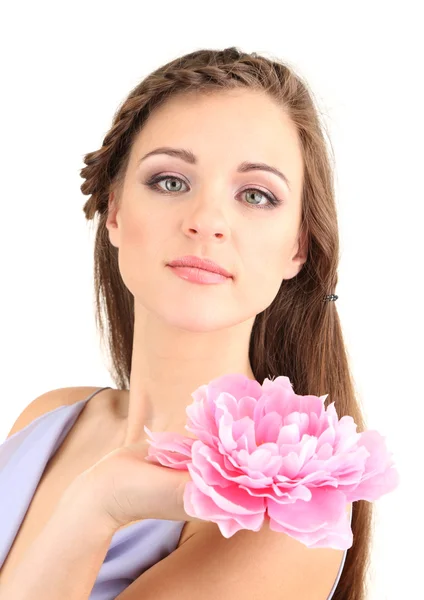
x=299, y=258
x=112, y=224
x=302, y=253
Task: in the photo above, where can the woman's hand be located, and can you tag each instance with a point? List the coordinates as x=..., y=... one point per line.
x=122, y=487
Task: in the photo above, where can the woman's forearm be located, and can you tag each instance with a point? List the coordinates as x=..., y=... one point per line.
x=64, y=560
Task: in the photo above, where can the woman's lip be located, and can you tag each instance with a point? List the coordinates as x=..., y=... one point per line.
x=196, y=275
x=196, y=262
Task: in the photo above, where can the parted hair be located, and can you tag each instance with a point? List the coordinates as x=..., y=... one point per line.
x=299, y=335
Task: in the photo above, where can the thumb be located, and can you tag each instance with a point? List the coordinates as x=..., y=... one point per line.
x=166, y=493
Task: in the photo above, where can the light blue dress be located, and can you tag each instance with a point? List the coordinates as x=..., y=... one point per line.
x=23, y=458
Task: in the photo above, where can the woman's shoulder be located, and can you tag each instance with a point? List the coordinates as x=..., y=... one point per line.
x=50, y=401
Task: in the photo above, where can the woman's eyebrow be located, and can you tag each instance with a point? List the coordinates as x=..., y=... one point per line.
x=190, y=158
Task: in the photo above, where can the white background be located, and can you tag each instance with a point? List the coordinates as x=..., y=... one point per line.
x=66, y=67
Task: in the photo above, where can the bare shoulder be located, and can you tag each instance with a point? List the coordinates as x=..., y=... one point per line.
x=272, y=565
x=49, y=401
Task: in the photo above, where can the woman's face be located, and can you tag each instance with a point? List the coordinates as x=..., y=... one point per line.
x=207, y=208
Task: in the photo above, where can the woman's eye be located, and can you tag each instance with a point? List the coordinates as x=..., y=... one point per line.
x=153, y=183
x=172, y=187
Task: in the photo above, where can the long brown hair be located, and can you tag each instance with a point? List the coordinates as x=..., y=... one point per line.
x=298, y=335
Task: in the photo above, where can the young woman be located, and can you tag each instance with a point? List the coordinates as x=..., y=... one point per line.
x=216, y=252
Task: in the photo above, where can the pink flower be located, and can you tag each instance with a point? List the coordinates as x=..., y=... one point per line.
x=262, y=451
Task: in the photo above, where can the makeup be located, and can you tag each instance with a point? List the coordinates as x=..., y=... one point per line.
x=201, y=276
